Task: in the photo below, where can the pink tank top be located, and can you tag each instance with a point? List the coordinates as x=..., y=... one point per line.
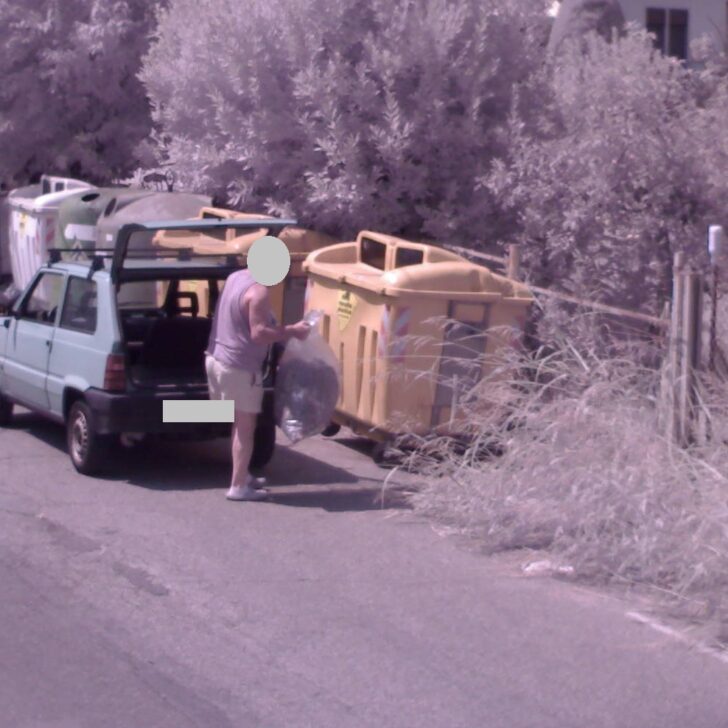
x=230, y=341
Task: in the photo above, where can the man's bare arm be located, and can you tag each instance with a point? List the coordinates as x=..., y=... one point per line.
x=257, y=302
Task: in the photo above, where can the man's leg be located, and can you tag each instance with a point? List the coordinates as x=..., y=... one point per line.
x=242, y=445
x=247, y=401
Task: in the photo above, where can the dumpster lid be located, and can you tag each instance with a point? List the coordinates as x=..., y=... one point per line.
x=300, y=241
x=395, y=267
x=31, y=200
x=216, y=240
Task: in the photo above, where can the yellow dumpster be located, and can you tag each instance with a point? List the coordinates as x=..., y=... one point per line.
x=407, y=321
x=288, y=296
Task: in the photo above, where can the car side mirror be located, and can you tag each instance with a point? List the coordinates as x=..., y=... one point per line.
x=8, y=298
x=7, y=311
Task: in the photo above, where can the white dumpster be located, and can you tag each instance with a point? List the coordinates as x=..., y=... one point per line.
x=33, y=212
x=91, y=220
x=5, y=269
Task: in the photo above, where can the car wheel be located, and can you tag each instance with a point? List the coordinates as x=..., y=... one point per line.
x=88, y=450
x=6, y=411
x=264, y=440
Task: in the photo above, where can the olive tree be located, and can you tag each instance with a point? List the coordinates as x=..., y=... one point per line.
x=347, y=113
x=70, y=99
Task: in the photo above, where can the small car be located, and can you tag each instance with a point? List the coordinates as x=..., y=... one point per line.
x=98, y=343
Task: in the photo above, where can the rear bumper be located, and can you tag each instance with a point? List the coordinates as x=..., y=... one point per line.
x=141, y=412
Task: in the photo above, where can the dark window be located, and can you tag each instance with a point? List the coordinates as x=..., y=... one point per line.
x=670, y=31
x=408, y=256
x=42, y=303
x=373, y=253
x=656, y=19
x=217, y=233
x=678, y=45
x=59, y=187
x=79, y=307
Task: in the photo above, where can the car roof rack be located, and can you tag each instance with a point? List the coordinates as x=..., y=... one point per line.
x=208, y=223
x=96, y=256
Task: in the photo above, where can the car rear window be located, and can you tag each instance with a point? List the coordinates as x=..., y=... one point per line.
x=80, y=307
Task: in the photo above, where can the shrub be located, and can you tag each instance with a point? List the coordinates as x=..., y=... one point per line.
x=624, y=170
x=586, y=474
x=71, y=102
x=378, y=114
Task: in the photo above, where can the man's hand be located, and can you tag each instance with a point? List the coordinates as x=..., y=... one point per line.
x=259, y=313
x=300, y=331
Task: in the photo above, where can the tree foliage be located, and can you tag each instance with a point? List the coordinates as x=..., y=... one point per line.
x=346, y=113
x=70, y=100
x=626, y=168
x=450, y=120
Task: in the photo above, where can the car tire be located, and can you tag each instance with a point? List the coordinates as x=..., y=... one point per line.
x=87, y=449
x=264, y=440
x=6, y=411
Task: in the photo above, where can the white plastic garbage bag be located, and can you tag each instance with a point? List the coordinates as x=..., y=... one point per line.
x=307, y=385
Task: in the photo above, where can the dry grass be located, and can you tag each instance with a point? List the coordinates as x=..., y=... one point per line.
x=587, y=474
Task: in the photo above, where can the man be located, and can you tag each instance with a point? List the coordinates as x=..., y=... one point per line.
x=242, y=330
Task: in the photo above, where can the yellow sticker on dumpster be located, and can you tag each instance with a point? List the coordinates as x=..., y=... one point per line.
x=345, y=308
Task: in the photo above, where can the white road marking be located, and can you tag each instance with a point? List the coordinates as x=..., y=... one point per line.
x=677, y=635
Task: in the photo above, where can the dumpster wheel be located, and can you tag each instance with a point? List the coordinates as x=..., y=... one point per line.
x=331, y=430
x=383, y=454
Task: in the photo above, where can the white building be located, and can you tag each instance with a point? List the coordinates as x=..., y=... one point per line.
x=677, y=23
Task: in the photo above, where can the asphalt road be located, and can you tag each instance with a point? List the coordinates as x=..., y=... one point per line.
x=147, y=600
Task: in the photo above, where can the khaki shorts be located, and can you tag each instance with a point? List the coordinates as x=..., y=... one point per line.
x=244, y=388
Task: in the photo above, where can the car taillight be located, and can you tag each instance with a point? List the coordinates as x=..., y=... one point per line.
x=115, y=374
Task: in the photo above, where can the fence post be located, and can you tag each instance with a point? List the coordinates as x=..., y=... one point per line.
x=715, y=248
x=673, y=370
x=513, y=262
x=689, y=344
x=713, y=317
x=702, y=419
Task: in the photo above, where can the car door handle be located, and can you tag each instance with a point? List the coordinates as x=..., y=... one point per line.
x=48, y=343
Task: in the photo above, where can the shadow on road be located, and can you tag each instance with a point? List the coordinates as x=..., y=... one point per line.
x=199, y=465
x=192, y=465
x=358, y=444
x=345, y=499
x=48, y=432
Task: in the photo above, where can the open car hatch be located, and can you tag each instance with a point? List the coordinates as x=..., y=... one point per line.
x=138, y=256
